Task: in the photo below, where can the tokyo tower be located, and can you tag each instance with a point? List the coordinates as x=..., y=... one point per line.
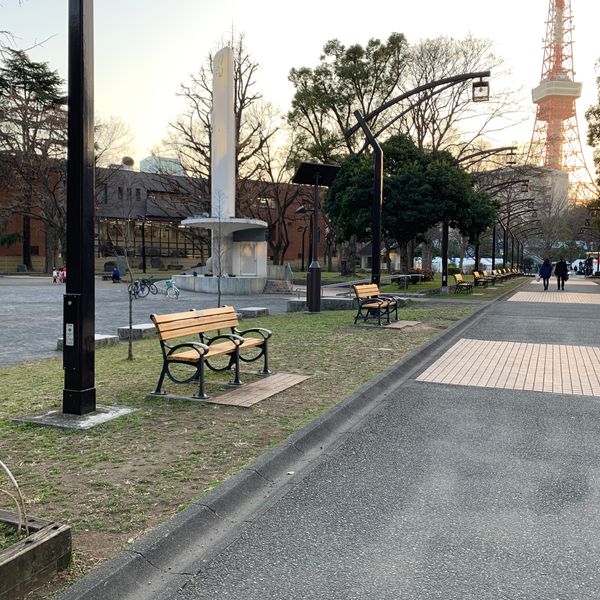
x=555, y=142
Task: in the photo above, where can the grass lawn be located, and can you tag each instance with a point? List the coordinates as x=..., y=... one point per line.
x=114, y=482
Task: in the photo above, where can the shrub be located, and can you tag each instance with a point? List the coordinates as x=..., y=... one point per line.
x=427, y=273
x=453, y=269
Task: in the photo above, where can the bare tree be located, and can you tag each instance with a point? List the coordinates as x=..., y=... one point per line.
x=112, y=140
x=271, y=198
x=449, y=120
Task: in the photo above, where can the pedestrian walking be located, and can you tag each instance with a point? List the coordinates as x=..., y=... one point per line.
x=63, y=274
x=546, y=272
x=561, y=270
x=54, y=275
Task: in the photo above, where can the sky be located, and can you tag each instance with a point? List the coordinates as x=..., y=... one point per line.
x=144, y=49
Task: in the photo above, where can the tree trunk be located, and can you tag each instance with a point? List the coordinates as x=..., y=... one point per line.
x=51, y=245
x=130, y=336
x=27, y=242
x=411, y=254
x=403, y=252
x=463, y=246
x=427, y=255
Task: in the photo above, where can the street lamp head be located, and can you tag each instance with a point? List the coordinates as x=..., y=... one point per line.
x=481, y=91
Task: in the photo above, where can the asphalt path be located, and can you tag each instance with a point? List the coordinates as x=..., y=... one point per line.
x=445, y=492
x=31, y=312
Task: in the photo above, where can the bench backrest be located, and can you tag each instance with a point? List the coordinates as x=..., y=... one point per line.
x=194, y=321
x=458, y=278
x=366, y=290
x=476, y=275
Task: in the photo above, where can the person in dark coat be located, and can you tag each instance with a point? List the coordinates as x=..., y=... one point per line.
x=561, y=270
x=545, y=272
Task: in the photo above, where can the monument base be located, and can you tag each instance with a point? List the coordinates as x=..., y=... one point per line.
x=233, y=286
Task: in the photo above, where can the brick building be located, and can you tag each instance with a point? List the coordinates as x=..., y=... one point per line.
x=142, y=212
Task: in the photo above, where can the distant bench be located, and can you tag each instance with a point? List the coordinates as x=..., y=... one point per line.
x=373, y=305
x=211, y=343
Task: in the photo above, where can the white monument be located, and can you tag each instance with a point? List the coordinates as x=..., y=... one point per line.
x=239, y=247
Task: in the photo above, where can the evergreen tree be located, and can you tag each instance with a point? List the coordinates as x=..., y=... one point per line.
x=33, y=131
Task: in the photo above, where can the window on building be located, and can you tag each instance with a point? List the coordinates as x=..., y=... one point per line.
x=264, y=202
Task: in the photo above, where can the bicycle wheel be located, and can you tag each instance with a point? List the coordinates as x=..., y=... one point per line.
x=144, y=290
x=172, y=292
x=153, y=289
x=132, y=291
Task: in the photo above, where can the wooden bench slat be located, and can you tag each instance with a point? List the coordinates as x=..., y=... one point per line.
x=217, y=349
x=192, y=326
x=189, y=313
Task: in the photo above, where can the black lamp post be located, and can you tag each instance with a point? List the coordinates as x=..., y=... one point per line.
x=317, y=175
x=144, y=244
x=494, y=246
x=79, y=393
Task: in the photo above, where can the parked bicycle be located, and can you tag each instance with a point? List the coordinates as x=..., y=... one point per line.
x=141, y=288
x=148, y=283
x=171, y=289
x=135, y=289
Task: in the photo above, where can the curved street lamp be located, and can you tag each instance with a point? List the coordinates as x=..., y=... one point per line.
x=480, y=93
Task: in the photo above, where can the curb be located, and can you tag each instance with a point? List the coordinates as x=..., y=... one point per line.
x=159, y=563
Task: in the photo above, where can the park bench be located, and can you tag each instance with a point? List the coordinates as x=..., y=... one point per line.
x=479, y=279
x=372, y=304
x=206, y=326
x=489, y=277
x=462, y=285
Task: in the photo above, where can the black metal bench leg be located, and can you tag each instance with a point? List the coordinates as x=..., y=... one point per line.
x=161, y=379
x=201, y=391
x=236, y=371
x=265, y=370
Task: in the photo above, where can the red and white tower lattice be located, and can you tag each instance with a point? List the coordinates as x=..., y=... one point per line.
x=556, y=142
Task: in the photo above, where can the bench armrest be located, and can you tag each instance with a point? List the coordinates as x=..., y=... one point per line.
x=202, y=349
x=236, y=339
x=266, y=333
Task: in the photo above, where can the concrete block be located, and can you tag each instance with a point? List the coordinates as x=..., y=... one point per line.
x=250, y=312
x=138, y=332
x=102, y=341
x=234, y=286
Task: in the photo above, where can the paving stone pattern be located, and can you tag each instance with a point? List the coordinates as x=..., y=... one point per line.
x=555, y=297
x=519, y=366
